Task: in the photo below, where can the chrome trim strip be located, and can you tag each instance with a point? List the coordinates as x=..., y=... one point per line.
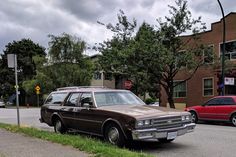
x=217, y=114
x=80, y=119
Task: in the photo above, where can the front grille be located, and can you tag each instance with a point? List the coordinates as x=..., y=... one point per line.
x=167, y=122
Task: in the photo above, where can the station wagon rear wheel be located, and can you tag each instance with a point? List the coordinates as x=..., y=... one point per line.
x=114, y=135
x=59, y=127
x=233, y=119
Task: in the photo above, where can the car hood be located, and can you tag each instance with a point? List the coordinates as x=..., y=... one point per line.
x=143, y=111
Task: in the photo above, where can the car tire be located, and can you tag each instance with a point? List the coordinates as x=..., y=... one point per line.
x=165, y=140
x=194, y=117
x=233, y=119
x=59, y=127
x=114, y=135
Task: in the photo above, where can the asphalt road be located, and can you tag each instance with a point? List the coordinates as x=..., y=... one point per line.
x=208, y=140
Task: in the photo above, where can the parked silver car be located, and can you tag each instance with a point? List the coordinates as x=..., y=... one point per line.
x=2, y=104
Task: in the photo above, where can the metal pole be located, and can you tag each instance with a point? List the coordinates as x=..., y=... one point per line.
x=37, y=99
x=223, y=51
x=17, y=99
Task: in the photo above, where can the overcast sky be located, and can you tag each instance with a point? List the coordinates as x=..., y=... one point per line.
x=35, y=19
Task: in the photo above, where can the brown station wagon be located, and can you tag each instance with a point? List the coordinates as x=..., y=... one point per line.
x=116, y=115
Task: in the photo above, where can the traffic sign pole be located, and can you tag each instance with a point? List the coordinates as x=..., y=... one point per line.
x=17, y=98
x=37, y=88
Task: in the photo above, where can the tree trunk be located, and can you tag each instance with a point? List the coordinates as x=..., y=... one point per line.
x=170, y=95
x=171, y=102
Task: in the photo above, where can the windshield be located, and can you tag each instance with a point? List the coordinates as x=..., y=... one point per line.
x=56, y=98
x=116, y=98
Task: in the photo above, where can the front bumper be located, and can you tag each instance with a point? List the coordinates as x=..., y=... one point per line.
x=170, y=133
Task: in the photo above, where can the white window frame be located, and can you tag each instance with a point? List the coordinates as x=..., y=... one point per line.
x=230, y=53
x=185, y=89
x=203, y=93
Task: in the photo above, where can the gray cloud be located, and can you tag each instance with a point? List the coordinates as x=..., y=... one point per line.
x=36, y=19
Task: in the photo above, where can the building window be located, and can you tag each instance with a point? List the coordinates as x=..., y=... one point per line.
x=208, y=55
x=230, y=50
x=179, y=89
x=97, y=76
x=208, y=86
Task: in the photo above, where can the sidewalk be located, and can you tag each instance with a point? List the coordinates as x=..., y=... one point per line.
x=18, y=145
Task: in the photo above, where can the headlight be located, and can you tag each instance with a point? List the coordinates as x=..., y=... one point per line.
x=186, y=118
x=140, y=123
x=144, y=122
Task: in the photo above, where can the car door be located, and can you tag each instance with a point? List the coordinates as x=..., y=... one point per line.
x=208, y=110
x=225, y=108
x=86, y=115
x=67, y=111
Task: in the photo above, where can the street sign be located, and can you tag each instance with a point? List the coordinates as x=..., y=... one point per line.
x=229, y=80
x=128, y=84
x=37, y=92
x=11, y=60
x=37, y=88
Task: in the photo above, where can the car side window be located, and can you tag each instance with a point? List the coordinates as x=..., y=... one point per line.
x=56, y=98
x=227, y=101
x=86, y=98
x=72, y=99
x=213, y=102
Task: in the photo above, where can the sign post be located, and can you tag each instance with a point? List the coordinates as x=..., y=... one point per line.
x=12, y=63
x=37, y=89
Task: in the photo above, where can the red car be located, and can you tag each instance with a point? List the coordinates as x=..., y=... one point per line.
x=220, y=108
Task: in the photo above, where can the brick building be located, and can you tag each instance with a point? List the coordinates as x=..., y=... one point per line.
x=203, y=85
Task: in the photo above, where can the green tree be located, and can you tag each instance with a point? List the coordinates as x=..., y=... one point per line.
x=68, y=66
x=132, y=54
x=172, y=58
x=25, y=50
x=144, y=54
x=116, y=52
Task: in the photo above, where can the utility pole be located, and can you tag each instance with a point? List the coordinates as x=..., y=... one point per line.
x=223, y=51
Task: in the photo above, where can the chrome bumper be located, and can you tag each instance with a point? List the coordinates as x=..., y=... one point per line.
x=154, y=133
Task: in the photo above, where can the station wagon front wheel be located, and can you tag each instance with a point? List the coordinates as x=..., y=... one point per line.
x=114, y=135
x=233, y=119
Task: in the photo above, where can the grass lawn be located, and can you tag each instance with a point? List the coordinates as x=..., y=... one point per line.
x=90, y=145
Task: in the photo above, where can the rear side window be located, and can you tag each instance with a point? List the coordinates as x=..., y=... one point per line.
x=227, y=101
x=213, y=102
x=56, y=98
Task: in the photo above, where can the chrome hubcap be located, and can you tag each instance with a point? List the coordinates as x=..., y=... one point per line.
x=113, y=135
x=193, y=117
x=58, y=126
x=234, y=120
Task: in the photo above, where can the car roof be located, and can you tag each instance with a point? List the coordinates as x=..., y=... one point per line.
x=227, y=96
x=86, y=89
